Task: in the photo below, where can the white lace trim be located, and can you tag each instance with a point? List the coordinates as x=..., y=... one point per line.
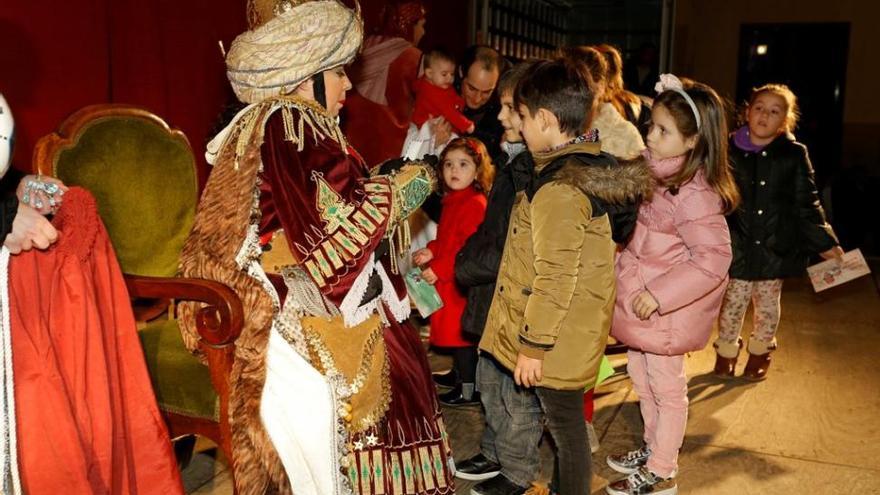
x=353, y=313
x=9, y=476
x=400, y=308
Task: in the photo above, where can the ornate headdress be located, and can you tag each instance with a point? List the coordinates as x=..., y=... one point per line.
x=290, y=41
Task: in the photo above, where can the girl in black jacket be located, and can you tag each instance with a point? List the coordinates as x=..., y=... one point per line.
x=777, y=227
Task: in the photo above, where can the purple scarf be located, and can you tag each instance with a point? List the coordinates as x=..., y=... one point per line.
x=742, y=141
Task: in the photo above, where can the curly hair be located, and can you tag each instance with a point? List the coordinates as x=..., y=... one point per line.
x=478, y=153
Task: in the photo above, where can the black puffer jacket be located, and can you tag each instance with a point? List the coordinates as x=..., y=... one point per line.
x=476, y=265
x=780, y=222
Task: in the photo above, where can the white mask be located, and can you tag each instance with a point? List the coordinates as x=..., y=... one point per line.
x=7, y=136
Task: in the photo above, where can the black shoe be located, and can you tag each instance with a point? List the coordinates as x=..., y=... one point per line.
x=454, y=398
x=477, y=468
x=447, y=380
x=498, y=485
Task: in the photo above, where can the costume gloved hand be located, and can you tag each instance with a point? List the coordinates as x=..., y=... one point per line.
x=395, y=164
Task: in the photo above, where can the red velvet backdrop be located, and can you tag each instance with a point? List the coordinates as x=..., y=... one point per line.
x=162, y=55
x=56, y=57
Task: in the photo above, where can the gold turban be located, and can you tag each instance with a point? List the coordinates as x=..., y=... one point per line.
x=302, y=40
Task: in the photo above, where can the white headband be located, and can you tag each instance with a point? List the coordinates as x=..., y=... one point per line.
x=668, y=82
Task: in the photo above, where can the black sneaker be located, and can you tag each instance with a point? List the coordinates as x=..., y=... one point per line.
x=630, y=462
x=446, y=380
x=454, y=398
x=643, y=482
x=477, y=468
x=498, y=485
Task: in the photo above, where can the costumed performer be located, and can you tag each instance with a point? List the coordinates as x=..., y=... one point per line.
x=330, y=389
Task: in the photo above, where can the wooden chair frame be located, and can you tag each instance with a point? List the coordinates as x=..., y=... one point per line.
x=219, y=323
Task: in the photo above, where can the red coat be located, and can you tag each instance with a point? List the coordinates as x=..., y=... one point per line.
x=434, y=101
x=463, y=212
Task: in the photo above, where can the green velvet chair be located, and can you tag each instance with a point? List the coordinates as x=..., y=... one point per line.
x=143, y=176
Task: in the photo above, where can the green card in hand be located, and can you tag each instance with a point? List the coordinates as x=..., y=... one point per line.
x=423, y=294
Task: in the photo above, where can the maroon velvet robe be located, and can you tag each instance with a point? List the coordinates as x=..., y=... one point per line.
x=290, y=192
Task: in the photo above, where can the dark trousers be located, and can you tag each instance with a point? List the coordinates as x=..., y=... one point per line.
x=564, y=413
x=464, y=362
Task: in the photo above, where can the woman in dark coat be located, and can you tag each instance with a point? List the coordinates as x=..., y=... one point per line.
x=777, y=227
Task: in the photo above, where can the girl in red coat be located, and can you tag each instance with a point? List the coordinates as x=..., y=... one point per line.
x=467, y=175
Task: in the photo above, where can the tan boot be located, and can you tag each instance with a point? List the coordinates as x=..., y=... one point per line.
x=726, y=354
x=759, y=360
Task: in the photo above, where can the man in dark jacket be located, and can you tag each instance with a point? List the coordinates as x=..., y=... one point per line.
x=477, y=79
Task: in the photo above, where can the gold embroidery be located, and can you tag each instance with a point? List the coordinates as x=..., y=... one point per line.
x=315, y=273
x=364, y=222
x=396, y=473
x=373, y=212
x=332, y=255
x=333, y=210
x=378, y=473
x=348, y=246
x=323, y=264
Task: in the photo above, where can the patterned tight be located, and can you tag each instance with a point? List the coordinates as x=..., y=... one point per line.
x=764, y=295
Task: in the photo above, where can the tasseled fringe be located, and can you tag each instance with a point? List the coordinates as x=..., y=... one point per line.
x=400, y=242
x=313, y=115
x=252, y=124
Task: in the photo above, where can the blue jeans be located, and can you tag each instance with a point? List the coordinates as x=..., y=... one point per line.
x=514, y=423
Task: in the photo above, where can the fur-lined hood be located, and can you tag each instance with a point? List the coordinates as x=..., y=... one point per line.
x=627, y=182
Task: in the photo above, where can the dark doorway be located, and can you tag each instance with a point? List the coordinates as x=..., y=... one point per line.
x=811, y=59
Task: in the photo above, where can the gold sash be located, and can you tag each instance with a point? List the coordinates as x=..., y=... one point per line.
x=359, y=355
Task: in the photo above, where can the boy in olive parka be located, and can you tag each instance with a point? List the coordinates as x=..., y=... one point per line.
x=551, y=312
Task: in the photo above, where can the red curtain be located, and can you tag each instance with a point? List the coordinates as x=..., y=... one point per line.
x=162, y=55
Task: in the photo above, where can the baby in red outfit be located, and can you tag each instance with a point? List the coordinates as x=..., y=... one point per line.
x=435, y=96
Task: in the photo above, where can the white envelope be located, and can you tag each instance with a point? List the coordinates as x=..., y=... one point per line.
x=831, y=273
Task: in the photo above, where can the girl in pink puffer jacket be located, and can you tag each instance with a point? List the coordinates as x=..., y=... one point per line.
x=672, y=275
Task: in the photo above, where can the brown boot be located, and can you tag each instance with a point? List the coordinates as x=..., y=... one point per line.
x=725, y=365
x=756, y=367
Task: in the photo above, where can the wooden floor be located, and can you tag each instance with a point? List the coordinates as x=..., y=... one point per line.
x=813, y=427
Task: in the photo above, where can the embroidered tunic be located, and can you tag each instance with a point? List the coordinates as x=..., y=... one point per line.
x=342, y=383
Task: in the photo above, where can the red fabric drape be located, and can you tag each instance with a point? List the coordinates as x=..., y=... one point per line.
x=87, y=417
